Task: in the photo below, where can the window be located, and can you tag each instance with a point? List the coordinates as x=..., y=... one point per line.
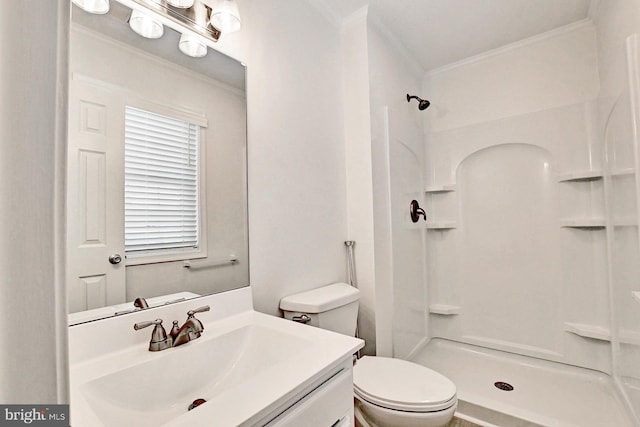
x=161, y=166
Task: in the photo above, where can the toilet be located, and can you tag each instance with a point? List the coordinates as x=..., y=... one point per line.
x=389, y=392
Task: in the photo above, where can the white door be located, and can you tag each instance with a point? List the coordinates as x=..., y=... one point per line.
x=95, y=189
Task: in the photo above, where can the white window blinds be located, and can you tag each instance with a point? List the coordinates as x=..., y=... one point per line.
x=161, y=182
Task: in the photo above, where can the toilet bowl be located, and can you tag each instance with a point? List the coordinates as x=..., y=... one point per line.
x=389, y=392
x=395, y=392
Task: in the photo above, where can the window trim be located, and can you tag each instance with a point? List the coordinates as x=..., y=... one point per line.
x=174, y=255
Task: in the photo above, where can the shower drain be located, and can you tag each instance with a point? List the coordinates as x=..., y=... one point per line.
x=503, y=386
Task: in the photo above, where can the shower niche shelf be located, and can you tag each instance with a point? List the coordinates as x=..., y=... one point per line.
x=585, y=223
x=580, y=176
x=444, y=309
x=601, y=333
x=588, y=331
x=435, y=189
x=444, y=205
x=441, y=225
x=593, y=175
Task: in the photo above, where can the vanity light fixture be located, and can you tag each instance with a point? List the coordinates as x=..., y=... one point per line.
x=145, y=25
x=99, y=7
x=225, y=15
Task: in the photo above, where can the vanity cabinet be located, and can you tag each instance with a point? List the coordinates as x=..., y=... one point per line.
x=330, y=404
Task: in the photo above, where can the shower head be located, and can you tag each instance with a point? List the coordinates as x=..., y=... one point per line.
x=423, y=104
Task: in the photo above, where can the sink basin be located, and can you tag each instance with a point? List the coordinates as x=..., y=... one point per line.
x=159, y=390
x=248, y=366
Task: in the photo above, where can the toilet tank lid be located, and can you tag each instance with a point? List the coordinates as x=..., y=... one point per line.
x=321, y=299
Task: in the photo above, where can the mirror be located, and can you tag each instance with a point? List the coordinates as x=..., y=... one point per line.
x=156, y=170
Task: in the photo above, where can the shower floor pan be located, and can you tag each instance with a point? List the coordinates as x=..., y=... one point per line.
x=544, y=393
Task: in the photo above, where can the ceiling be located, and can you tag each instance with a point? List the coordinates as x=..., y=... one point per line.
x=441, y=32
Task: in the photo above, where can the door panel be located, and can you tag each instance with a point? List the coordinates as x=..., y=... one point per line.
x=95, y=189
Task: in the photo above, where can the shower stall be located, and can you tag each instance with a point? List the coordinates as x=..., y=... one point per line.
x=523, y=284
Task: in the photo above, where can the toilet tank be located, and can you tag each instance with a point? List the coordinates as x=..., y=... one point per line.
x=333, y=307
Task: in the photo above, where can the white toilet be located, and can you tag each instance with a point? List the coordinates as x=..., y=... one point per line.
x=389, y=392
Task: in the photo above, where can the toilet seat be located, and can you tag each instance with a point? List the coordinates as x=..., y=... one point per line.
x=401, y=385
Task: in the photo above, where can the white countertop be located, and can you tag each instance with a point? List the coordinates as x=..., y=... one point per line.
x=317, y=355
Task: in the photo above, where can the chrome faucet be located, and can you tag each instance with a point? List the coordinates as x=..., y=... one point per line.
x=190, y=330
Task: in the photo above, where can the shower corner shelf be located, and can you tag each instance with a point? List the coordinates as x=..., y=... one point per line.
x=441, y=225
x=580, y=176
x=588, y=331
x=444, y=309
x=583, y=223
x=434, y=189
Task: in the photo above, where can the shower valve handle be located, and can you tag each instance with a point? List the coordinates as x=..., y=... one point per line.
x=415, y=210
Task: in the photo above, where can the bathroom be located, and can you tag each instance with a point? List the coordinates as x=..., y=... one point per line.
x=325, y=112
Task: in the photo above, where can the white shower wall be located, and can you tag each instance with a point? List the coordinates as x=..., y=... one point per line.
x=618, y=23
x=517, y=265
x=531, y=173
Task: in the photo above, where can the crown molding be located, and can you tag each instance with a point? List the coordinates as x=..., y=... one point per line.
x=583, y=23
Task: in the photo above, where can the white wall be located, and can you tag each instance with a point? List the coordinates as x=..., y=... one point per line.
x=297, y=196
x=360, y=217
x=33, y=84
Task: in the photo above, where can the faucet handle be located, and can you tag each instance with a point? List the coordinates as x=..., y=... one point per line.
x=159, y=340
x=202, y=309
x=142, y=325
x=198, y=327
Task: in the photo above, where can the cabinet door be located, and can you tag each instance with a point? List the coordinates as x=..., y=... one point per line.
x=331, y=405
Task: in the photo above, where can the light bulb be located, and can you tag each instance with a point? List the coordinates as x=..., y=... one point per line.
x=192, y=46
x=145, y=25
x=182, y=4
x=93, y=6
x=225, y=16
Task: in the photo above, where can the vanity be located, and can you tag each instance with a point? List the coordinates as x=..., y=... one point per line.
x=252, y=369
